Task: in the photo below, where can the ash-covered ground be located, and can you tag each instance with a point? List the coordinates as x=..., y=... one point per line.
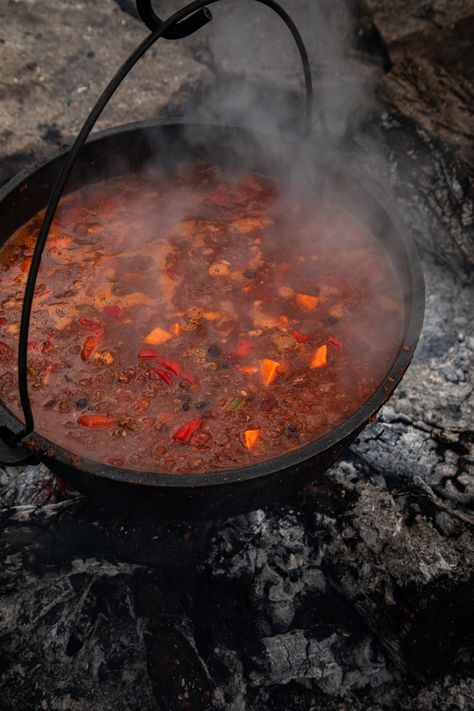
x=361, y=594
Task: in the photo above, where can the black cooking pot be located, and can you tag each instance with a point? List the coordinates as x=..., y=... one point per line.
x=167, y=144
x=131, y=147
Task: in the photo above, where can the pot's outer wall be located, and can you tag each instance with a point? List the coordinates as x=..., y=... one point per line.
x=195, y=502
x=130, y=148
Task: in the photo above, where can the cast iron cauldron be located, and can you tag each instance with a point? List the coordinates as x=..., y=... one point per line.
x=130, y=148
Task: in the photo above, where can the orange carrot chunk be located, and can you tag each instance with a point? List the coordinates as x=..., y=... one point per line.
x=320, y=357
x=25, y=267
x=96, y=421
x=269, y=370
x=251, y=437
x=157, y=335
x=47, y=374
x=147, y=353
x=307, y=302
x=89, y=346
x=186, y=431
x=300, y=337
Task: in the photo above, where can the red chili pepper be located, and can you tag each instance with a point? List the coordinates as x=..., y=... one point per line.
x=300, y=337
x=163, y=375
x=94, y=326
x=169, y=364
x=243, y=349
x=113, y=311
x=334, y=342
x=185, y=432
x=89, y=345
x=188, y=378
x=147, y=353
x=2, y=320
x=267, y=299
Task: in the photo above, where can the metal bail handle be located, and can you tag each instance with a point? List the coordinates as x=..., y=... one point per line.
x=178, y=31
x=13, y=456
x=181, y=24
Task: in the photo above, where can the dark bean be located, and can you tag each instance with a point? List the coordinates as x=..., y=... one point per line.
x=291, y=429
x=268, y=404
x=82, y=403
x=200, y=405
x=51, y=403
x=331, y=320
x=213, y=351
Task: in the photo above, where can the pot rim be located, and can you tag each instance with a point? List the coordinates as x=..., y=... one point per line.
x=413, y=324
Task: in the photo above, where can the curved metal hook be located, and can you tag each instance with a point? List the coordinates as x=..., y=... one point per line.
x=181, y=29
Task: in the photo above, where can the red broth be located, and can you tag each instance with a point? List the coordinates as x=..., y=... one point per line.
x=197, y=322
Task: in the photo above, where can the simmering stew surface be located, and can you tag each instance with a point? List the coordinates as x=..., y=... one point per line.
x=197, y=322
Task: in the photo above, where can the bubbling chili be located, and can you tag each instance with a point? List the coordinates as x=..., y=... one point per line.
x=198, y=321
